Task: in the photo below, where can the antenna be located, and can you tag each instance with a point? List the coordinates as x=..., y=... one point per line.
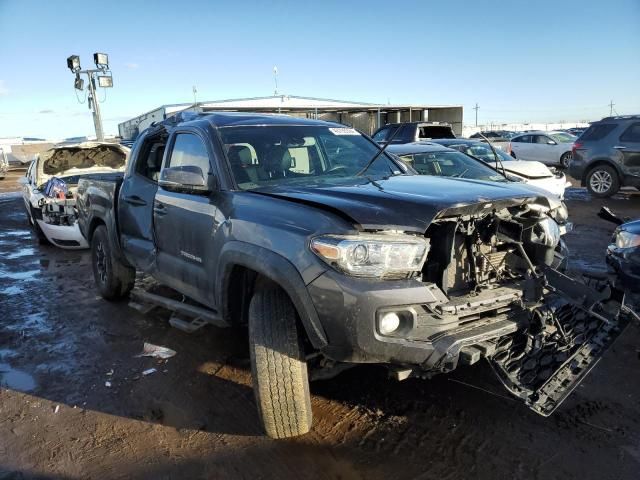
x=275, y=79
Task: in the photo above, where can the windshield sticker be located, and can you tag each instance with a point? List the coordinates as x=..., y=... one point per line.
x=344, y=131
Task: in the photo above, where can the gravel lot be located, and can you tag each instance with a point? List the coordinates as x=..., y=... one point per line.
x=195, y=418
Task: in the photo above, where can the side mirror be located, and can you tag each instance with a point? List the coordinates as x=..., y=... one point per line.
x=188, y=179
x=23, y=180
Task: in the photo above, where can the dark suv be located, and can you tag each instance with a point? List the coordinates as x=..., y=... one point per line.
x=607, y=156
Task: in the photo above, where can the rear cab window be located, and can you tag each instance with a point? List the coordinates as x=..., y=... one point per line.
x=597, y=132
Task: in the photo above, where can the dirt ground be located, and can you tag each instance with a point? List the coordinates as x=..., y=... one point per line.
x=195, y=416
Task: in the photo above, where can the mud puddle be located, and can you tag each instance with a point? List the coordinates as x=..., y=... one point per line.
x=16, y=379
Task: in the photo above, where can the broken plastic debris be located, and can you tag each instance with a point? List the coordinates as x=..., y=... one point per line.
x=156, y=351
x=149, y=371
x=107, y=384
x=57, y=409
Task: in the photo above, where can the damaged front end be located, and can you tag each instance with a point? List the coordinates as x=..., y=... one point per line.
x=502, y=268
x=54, y=201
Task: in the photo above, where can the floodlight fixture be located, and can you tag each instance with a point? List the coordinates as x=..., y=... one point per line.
x=73, y=62
x=78, y=83
x=105, y=81
x=101, y=60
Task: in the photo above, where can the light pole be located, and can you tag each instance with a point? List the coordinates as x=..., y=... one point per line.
x=105, y=80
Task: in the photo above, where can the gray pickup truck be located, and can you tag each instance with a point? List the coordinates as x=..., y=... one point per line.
x=334, y=253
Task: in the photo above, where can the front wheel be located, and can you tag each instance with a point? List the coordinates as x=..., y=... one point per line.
x=114, y=280
x=278, y=366
x=602, y=181
x=42, y=238
x=565, y=160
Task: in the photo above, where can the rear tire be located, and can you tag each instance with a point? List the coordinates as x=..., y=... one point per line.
x=602, y=181
x=279, y=369
x=114, y=280
x=565, y=160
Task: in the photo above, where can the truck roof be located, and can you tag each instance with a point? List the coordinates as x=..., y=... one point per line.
x=235, y=119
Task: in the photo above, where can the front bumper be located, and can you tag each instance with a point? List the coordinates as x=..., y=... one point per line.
x=542, y=336
x=437, y=329
x=63, y=236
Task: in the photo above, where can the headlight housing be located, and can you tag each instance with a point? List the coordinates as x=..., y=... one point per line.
x=560, y=214
x=626, y=239
x=546, y=232
x=373, y=255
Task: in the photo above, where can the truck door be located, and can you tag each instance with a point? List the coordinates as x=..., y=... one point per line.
x=135, y=210
x=185, y=223
x=629, y=146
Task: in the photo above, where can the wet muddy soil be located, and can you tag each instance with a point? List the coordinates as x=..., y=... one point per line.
x=75, y=404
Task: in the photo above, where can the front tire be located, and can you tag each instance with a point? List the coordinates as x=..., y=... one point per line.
x=278, y=366
x=42, y=238
x=565, y=160
x=114, y=280
x=602, y=181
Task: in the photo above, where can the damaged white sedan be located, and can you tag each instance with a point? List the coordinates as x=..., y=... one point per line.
x=49, y=188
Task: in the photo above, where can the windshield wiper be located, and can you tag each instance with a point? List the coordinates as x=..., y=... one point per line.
x=379, y=152
x=496, y=156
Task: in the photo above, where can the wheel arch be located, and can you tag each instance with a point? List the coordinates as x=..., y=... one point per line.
x=241, y=263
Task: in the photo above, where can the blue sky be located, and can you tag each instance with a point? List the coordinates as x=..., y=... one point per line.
x=520, y=60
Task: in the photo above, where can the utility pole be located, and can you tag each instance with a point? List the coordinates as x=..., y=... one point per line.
x=105, y=80
x=611, y=108
x=94, y=106
x=476, y=109
x=275, y=79
x=195, y=93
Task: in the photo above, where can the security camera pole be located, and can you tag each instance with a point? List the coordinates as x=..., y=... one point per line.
x=105, y=80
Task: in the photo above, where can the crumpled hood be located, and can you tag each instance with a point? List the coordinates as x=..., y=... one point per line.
x=89, y=156
x=407, y=202
x=528, y=169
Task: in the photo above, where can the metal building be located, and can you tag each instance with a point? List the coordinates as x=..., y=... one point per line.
x=366, y=117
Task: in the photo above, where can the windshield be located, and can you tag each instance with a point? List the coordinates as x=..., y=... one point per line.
x=483, y=152
x=451, y=164
x=275, y=155
x=562, y=137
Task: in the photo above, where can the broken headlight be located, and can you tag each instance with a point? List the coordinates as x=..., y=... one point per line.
x=626, y=239
x=373, y=255
x=560, y=214
x=546, y=232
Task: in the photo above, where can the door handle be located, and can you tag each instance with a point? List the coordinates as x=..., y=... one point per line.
x=135, y=200
x=160, y=209
x=620, y=147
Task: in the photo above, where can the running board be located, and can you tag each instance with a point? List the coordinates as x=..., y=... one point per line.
x=185, y=317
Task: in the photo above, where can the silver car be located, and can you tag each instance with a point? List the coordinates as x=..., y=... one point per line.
x=550, y=148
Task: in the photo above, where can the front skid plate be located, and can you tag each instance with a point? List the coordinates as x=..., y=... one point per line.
x=566, y=339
